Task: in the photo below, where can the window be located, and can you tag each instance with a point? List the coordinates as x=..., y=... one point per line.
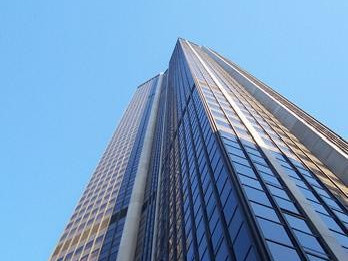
x=250, y=182
x=297, y=223
x=270, y=179
x=280, y=252
x=274, y=231
x=264, y=169
x=287, y=205
x=257, y=196
x=222, y=253
x=309, y=242
x=235, y=223
x=264, y=212
x=245, y=170
x=278, y=192
x=236, y=159
x=230, y=208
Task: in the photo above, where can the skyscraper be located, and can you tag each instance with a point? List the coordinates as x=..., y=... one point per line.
x=209, y=163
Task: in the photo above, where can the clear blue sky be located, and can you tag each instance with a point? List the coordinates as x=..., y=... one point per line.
x=68, y=69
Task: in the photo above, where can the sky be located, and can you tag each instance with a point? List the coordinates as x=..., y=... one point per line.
x=68, y=68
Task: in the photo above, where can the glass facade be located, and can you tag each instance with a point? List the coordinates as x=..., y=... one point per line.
x=226, y=179
x=95, y=228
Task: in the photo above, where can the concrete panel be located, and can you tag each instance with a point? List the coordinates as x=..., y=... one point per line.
x=130, y=231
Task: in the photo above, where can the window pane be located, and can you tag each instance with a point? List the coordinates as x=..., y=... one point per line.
x=257, y=196
x=297, y=223
x=250, y=182
x=281, y=253
x=284, y=204
x=265, y=212
x=244, y=170
x=274, y=231
x=309, y=242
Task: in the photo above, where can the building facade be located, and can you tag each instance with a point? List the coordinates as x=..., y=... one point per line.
x=209, y=163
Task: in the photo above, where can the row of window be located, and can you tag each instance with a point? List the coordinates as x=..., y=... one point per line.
x=203, y=185
x=249, y=180
x=303, y=178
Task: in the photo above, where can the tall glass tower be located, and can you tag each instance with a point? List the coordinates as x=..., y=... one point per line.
x=209, y=163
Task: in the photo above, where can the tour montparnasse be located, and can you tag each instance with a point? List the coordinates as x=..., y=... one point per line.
x=209, y=163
